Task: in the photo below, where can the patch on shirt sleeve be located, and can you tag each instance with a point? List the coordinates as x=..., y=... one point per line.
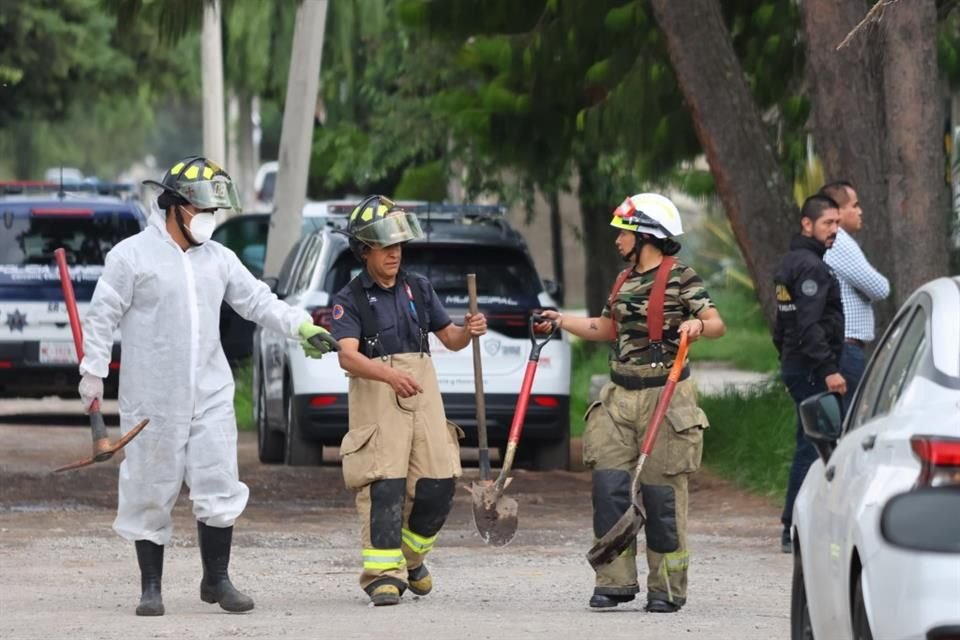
x=337, y=311
x=809, y=287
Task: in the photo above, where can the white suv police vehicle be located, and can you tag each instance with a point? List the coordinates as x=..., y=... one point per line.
x=300, y=404
x=37, y=353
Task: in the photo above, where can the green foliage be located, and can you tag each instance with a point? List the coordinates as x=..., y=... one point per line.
x=76, y=90
x=57, y=52
x=425, y=182
x=747, y=344
x=379, y=87
x=587, y=360
x=243, y=395
x=751, y=438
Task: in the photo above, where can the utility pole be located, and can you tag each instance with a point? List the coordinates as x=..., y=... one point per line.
x=296, y=135
x=211, y=57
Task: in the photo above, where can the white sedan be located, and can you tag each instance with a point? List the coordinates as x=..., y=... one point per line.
x=902, y=435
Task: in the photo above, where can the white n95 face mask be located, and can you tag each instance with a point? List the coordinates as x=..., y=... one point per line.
x=202, y=226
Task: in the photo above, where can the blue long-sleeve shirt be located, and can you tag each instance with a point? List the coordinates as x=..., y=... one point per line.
x=860, y=286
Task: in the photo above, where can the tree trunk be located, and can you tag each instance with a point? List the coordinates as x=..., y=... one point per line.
x=596, y=210
x=211, y=55
x=296, y=135
x=878, y=121
x=246, y=160
x=915, y=113
x=848, y=121
x=737, y=144
x=556, y=240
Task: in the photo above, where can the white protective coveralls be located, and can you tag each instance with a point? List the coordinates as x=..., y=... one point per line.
x=174, y=372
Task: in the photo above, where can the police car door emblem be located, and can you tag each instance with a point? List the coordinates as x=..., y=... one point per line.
x=809, y=288
x=16, y=320
x=492, y=346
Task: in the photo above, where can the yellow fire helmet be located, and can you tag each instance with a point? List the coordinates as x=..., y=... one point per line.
x=197, y=181
x=648, y=213
x=379, y=222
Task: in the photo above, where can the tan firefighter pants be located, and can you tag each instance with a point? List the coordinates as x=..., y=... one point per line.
x=615, y=426
x=401, y=455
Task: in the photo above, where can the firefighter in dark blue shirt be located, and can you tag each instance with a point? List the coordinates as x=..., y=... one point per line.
x=400, y=453
x=809, y=329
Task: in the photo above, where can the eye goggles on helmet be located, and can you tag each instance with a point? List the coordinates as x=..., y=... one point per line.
x=389, y=229
x=211, y=194
x=628, y=214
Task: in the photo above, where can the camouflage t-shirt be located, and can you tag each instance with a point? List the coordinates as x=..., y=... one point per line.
x=685, y=297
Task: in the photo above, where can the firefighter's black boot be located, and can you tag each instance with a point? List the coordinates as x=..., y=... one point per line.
x=216, y=586
x=150, y=559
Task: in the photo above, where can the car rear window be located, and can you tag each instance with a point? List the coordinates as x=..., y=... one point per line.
x=502, y=272
x=30, y=234
x=32, y=239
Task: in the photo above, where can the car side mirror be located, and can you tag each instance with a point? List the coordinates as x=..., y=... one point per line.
x=272, y=282
x=555, y=290
x=822, y=418
x=925, y=519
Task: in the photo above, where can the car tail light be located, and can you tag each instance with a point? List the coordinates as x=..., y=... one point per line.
x=115, y=365
x=549, y=402
x=6, y=364
x=322, y=401
x=939, y=459
x=322, y=316
x=62, y=211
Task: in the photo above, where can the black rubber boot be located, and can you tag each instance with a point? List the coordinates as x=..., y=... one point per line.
x=604, y=601
x=216, y=586
x=150, y=558
x=656, y=605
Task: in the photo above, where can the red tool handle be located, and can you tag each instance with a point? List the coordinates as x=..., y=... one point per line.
x=664, y=400
x=521, y=411
x=71, y=300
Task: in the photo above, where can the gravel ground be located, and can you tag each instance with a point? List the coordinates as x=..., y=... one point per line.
x=64, y=574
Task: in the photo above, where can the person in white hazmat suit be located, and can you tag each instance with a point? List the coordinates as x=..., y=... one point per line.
x=164, y=288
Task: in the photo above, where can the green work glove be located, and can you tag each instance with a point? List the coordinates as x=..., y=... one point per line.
x=316, y=341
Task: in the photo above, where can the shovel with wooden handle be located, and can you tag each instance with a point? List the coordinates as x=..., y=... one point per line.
x=494, y=513
x=625, y=530
x=483, y=454
x=103, y=449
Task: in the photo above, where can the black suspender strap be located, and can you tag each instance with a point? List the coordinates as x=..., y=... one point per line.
x=370, y=331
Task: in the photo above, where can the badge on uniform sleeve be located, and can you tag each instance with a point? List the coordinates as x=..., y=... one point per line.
x=809, y=287
x=337, y=311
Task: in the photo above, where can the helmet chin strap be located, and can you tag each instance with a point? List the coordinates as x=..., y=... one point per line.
x=634, y=254
x=184, y=229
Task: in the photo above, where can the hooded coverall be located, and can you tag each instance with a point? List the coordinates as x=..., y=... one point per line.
x=617, y=422
x=400, y=454
x=166, y=302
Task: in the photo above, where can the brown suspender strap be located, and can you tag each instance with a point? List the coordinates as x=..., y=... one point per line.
x=657, y=295
x=613, y=296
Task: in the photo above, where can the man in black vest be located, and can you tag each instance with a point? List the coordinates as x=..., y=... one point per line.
x=400, y=453
x=809, y=330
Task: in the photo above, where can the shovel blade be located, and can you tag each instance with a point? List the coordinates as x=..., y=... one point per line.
x=494, y=515
x=615, y=541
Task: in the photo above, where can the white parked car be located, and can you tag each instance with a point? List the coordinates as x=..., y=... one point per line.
x=856, y=572
x=300, y=404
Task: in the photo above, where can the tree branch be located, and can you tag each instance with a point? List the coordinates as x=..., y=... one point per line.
x=873, y=16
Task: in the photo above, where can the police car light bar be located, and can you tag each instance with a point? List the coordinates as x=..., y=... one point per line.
x=41, y=186
x=451, y=211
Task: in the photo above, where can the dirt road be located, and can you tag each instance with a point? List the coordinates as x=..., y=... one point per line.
x=64, y=574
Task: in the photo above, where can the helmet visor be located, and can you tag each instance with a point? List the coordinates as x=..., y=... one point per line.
x=211, y=194
x=395, y=227
x=628, y=217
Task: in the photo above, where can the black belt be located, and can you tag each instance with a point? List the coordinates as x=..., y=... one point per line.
x=636, y=383
x=855, y=342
